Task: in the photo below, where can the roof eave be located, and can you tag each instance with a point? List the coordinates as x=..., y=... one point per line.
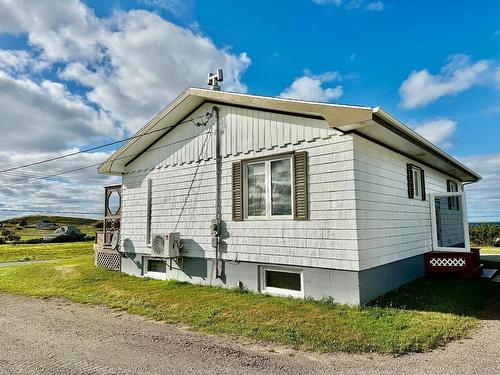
x=377, y=111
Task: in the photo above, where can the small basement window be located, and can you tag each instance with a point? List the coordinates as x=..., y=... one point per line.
x=278, y=281
x=155, y=268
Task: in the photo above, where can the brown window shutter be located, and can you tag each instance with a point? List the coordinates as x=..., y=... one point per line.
x=300, y=203
x=409, y=177
x=422, y=175
x=237, y=192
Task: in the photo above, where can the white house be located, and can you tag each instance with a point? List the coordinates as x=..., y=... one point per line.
x=46, y=224
x=285, y=197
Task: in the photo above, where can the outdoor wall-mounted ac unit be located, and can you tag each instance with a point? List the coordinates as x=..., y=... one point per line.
x=166, y=245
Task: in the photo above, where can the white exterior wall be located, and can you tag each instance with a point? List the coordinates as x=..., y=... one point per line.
x=390, y=226
x=183, y=191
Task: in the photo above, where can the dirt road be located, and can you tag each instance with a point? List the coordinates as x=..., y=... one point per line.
x=56, y=337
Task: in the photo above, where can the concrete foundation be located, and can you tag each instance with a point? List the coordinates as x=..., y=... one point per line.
x=349, y=287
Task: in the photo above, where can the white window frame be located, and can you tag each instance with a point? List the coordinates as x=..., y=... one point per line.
x=151, y=274
x=267, y=163
x=465, y=221
x=281, y=291
x=417, y=182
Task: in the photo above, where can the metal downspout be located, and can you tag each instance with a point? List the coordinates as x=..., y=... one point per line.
x=218, y=171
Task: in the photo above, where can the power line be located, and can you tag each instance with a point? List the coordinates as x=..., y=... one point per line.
x=36, y=175
x=207, y=116
x=100, y=164
x=50, y=211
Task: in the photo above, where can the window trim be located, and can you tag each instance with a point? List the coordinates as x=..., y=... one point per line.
x=281, y=291
x=268, y=181
x=152, y=274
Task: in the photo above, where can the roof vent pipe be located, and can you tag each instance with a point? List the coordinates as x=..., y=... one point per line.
x=214, y=79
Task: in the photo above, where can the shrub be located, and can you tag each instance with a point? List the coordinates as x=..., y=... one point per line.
x=23, y=223
x=484, y=234
x=33, y=241
x=2, y=240
x=12, y=237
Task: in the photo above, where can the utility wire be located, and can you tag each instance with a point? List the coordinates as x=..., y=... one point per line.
x=50, y=212
x=100, y=164
x=207, y=116
x=48, y=177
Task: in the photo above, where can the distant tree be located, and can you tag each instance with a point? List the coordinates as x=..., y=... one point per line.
x=23, y=223
x=484, y=234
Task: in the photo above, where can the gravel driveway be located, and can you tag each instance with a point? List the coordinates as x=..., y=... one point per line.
x=57, y=337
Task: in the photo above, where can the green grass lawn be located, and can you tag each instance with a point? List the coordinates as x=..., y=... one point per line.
x=490, y=250
x=21, y=252
x=421, y=316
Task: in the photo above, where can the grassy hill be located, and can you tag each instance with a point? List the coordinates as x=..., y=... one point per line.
x=61, y=220
x=29, y=231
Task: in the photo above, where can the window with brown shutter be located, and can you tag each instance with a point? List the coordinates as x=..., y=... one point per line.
x=271, y=187
x=416, y=182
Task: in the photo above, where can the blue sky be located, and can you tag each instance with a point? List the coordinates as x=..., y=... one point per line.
x=109, y=66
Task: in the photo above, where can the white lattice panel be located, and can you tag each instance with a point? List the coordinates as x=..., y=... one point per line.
x=447, y=262
x=108, y=260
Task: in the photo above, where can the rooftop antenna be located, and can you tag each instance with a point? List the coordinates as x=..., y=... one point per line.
x=214, y=79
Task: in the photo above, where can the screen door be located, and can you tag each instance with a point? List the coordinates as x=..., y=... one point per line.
x=450, y=227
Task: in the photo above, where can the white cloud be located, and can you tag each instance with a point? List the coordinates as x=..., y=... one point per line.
x=459, y=74
x=132, y=63
x=125, y=68
x=483, y=198
x=437, y=131
x=150, y=61
x=78, y=192
x=310, y=87
x=322, y=2
x=14, y=60
x=46, y=116
x=176, y=7
x=376, y=6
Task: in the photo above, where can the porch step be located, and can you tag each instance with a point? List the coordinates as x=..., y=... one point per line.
x=488, y=273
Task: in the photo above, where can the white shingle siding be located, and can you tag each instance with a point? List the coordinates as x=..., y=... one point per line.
x=390, y=226
x=360, y=214
x=183, y=194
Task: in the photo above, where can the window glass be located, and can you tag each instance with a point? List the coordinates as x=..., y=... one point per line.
x=450, y=226
x=114, y=203
x=453, y=201
x=256, y=189
x=416, y=182
x=156, y=266
x=281, y=187
x=283, y=280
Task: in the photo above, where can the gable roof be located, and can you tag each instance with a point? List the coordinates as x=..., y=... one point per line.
x=370, y=122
